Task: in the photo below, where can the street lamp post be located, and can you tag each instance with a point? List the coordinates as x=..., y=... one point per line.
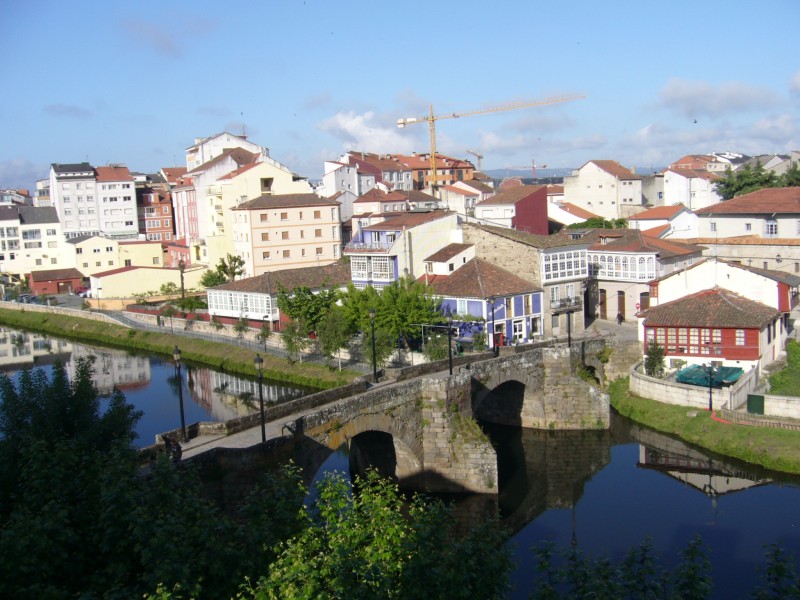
x=494, y=345
x=176, y=355
x=710, y=369
x=374, y=357
x=259, y=363
x=181, y=269
x=450, y=342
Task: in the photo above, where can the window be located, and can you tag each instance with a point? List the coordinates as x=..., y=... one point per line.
x=98, y=263
x=771, y=228
x=111, y=263
x=555, y=292
x=263, y=217
x=287, y=254
x=301, y=215
x=156, y=260
x=128, y=262
x=507, y=302
x=53, y=261
x=109, y=249
x=713, y=226
x=51, y=232
x=318, y=233
x=38, y=262
x=284, y=235
x=284, y=216
x=319, y=251
x=78, y=250
x=317, y=214
x=358, y=267
x=265, y=255
x=749, y=227
x=265, y=237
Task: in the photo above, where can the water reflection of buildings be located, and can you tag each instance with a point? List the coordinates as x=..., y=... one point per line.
x=712, y=477
x=113, y=368
x=20, y=350
x=226, y=396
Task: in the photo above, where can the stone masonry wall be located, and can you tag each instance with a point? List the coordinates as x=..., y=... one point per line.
x=520, y=259
x=454, y=445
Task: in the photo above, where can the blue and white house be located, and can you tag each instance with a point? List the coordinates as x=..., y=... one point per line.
x=485, y=296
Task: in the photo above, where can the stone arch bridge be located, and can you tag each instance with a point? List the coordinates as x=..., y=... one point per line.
x=437, y=446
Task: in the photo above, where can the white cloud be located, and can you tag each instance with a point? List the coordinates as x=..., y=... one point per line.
x=20, y=173
x=362, y=131
x=794, y=84
x=695, y=99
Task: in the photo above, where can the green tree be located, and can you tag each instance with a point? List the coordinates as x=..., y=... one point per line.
x=385, y=345
x=304, y=305
x=600, y=223
x=745, y=180
x=436, y=346
x=333, y=333
x=264, y=332
x=654, y=360
x=169, y=311
x=368, y=545
x=211, y=279
x=230, y=267
x=791, y=178
x=169, y=289
x=295, y=340
x=241, y=326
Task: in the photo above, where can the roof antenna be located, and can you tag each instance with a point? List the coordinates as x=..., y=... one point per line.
x=244, y=129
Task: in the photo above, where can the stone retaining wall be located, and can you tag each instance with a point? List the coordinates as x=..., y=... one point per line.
x=57, y=310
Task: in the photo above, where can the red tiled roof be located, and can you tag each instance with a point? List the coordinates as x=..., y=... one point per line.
x=333, y=275
x=238, y=171
x=656, y=232
x=479, y=279
x=511, y=195
x=716, y=307
x=406, y=220
x=447, y=252
x=51, y=274
x=577, y=211
x=479, y=186
x=113, y=174
x=612, y=167
x=285, y=201
x=658, y=213
x=767, y=200
x=173, y=174
x=462, y=192
x=238, y=155
x=553, y=190
x=694, y=174
x=633, y=240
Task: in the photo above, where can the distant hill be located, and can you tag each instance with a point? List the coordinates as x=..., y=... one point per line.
x=552, y=173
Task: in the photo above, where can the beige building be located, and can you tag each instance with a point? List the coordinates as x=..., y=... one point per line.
x=95, y=254
x=276, y=232
x=605, y=188
x=124, y=282
x=237, y=187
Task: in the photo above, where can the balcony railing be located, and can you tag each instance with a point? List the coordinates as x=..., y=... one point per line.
x=359, y=247
x=566, y=304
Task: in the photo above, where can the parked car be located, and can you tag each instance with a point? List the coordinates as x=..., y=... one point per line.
x=85, y=293
x=24, y=298
x=80, y=289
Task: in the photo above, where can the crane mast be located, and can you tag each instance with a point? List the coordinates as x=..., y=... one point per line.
x=431, y=119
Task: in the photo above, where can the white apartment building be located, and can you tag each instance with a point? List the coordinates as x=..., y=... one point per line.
x=116, y=204
x=30, y=240
x=605, y=188
x=693, y=189
x=72, y=185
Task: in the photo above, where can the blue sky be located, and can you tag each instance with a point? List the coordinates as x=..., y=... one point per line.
x=137, y=82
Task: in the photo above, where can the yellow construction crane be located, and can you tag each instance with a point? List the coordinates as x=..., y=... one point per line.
x=477, y=155
x=431, y=119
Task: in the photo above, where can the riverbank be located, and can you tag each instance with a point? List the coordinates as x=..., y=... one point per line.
x=222, y=357
x=774, y=449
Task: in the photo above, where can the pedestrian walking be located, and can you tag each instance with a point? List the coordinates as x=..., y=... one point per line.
x=620, y=318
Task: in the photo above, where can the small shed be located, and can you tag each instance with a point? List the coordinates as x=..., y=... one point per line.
x=54, y=281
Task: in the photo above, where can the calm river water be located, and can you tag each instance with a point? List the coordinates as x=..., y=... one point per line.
x=606, y=490
x=148, y=382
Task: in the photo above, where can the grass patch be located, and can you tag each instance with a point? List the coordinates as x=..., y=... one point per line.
x=786, y=382
x=775, y=449
x=221, y=357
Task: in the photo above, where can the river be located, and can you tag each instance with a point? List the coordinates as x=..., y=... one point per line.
x=148, y=382
x=607, y=490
